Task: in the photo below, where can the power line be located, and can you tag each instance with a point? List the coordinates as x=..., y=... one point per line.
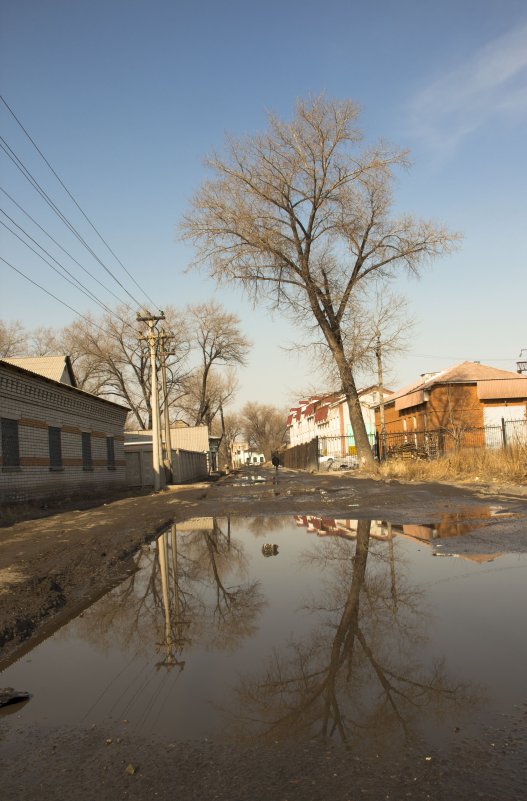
x=74, y=280
x=34, y=183
x=71, y=280
x=51, y=294
x=461, y=358
x=63, y=249
x=74, y=200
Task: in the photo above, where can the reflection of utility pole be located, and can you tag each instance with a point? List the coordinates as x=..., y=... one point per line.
x=378, y=355
x=395, y=601
x=180, y=624
x=167, y=642
x=151, y=321
x=171, y=644
x=168, y=444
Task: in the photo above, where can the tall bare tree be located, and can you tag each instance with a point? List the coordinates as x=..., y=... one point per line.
x=217, y=338
x=302, y=216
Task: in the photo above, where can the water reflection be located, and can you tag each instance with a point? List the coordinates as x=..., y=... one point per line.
x=357, y=674
x=349, y=632
x=192, y=583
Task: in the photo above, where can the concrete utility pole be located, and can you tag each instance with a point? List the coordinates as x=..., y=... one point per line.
x=163, y=353
x=522, y=363
x=151, y=321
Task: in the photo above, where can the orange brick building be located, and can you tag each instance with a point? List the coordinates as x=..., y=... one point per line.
x=455, y=401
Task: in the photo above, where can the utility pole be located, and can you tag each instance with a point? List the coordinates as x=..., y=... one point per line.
x=151, y=321
x=168, y=444
x=378, y=355
x=522, y=364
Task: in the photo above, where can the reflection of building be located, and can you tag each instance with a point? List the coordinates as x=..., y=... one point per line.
x=332, y=527
x=55, y=438
x=449, y=527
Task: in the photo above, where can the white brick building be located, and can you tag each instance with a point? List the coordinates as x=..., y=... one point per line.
x=56, y=439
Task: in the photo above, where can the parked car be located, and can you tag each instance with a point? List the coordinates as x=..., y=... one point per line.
x=338, y=462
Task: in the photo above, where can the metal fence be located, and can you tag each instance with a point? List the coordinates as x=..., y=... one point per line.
x=301, y=457
x=339, y=453
x=436, y=443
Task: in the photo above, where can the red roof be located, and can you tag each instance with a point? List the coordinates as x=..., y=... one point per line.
x=321, y=414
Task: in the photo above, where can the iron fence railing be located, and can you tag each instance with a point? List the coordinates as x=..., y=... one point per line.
x=339, y=452
x=432, y=444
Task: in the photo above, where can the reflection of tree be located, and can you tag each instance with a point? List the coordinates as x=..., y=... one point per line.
x=192, y=584
x=355, y=673
x=262, y=526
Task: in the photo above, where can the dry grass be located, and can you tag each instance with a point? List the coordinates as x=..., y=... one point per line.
x=474, y=464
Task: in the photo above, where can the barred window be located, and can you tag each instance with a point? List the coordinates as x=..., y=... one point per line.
x=110, y=453
x=10, y=446
x=87, y=463
x=55, y=448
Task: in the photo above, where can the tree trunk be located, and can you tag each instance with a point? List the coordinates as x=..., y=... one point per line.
x=362, y=442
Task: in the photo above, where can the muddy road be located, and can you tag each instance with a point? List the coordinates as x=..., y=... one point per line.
x=55, y=567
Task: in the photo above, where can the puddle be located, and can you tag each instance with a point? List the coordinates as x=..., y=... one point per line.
x=291, y=627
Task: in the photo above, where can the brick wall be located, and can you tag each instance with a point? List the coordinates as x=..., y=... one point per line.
x=37, y=403
x=450, y=407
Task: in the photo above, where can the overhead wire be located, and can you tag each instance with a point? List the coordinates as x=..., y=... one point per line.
x=35, y=283
x=8, y=107
x=461, y=358
x=34, y=183
x=85, y=269
x=74, y=280
x=71, y=279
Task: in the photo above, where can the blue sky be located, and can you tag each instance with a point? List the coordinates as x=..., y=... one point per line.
x=126, y=97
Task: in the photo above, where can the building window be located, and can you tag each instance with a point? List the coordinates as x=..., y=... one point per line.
x=55, y=448
x=10, y=447
x=110, y=453
x=87, y=463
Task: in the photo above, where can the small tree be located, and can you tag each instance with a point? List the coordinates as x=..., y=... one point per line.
x=303, y=217
x=263, y=427
x=219, y=342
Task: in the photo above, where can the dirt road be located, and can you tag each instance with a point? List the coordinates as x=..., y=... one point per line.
x=54, y=566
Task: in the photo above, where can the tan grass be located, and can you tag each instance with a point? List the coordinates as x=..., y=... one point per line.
x=470, y=464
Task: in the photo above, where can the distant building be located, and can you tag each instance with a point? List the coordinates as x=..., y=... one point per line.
x=327, y=416
x=463, y=397
x=243, y=455
x=56, y=439
x=190, y=454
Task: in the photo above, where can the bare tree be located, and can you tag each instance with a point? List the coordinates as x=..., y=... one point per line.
x=202, y=409
x=263, y=427
x=231, y=428
x=219, y=341
x=46, y=341
x=13, y=339
x=302, y=216
x=111, y=359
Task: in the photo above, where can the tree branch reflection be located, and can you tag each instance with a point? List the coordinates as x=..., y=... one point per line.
x=355, y=674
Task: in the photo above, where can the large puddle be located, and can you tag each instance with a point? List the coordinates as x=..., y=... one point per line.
x=292, y=627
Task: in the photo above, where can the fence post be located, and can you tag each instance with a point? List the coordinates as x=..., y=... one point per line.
x=504, y=432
